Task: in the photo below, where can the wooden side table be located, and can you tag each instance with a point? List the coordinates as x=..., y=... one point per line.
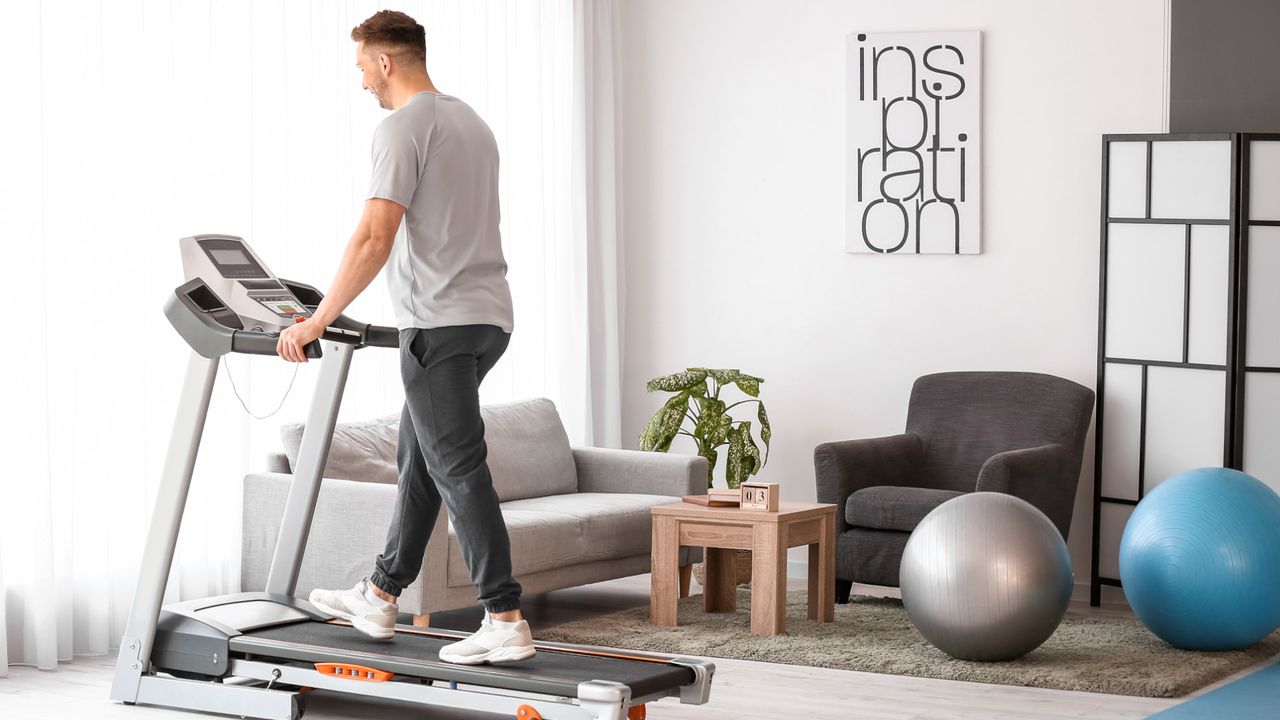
x=768, y=535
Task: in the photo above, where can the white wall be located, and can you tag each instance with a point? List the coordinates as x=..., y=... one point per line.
x=734, y=209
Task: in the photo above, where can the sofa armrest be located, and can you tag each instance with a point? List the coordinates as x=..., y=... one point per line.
x=1045, y=476
x=602, y=470
x=844, y=467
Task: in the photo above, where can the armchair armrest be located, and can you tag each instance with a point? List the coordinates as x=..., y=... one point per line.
x=1045, y=476
x=845, y=467
x=603, y=470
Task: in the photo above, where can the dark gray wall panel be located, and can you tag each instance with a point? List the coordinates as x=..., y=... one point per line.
x=1224, y=66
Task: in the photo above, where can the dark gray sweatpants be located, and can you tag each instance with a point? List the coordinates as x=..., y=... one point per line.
x=441, y=455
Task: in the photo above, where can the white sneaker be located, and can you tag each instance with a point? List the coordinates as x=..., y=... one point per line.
x=369, y=614
x=494, y=642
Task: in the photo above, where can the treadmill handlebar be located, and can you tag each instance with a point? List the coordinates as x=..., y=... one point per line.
x=367, y=335
x=261, y=343
x=382, y=336
x=213, y=330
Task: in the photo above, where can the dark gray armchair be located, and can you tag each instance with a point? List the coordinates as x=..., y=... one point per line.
x=1011, y=432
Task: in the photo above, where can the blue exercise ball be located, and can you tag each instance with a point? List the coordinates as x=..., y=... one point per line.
x=1200, y=560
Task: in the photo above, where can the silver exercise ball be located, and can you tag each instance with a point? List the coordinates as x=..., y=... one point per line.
x=986, y=576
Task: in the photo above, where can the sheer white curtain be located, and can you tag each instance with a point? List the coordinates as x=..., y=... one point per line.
x=597, y=198
x=125, y=125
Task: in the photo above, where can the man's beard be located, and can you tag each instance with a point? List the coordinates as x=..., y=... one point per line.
x=379, y=89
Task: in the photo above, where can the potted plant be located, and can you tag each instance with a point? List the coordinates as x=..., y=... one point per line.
x=696, y=410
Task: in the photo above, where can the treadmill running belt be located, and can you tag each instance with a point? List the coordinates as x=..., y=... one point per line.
x=548, y=672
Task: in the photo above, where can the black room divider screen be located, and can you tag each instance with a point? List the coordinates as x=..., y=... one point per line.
x=1188, y=319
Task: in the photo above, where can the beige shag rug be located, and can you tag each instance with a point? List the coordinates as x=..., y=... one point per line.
x=1093, y=653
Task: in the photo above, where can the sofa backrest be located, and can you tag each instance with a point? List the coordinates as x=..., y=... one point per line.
x=529, y=453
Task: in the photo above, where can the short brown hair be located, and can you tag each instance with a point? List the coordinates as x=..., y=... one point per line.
x=393, y=31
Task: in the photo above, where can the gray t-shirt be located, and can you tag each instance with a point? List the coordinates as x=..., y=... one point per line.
x=438, y=159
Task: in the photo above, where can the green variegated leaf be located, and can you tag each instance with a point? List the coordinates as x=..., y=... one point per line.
x=734, y=462
x=711, y=455
x=648, y=436
x=719, y=434
x=709, y=413
x=676, y=382
x=766, y=432
x=748, y=384
x=673, y=413
x=724, y=377
x=665, y=424
x=751, y=462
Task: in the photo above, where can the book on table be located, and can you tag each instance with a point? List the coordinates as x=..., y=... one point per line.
x=717, y=497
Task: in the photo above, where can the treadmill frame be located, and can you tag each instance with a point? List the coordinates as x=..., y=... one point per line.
x=136, y=679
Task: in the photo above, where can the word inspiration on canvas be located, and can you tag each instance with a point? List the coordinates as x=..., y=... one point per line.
x=914, y=119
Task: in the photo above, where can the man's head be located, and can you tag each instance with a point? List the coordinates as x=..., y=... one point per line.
x=391, y=49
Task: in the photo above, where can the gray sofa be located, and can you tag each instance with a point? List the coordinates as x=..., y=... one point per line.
x=575, y=515
x=1012, y=432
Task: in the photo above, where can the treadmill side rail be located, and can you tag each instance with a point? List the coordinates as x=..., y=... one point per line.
x=222, y=698
x=604, y=699
x=440, y=695
x=699, y=691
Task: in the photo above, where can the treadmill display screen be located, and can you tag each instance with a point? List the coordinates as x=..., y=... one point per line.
x=230, y=257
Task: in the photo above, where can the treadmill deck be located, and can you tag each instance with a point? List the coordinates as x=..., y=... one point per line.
x=416, y=654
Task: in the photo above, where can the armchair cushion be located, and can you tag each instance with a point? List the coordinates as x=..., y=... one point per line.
x=894, y=508
x=844, y=467
x=564, y=530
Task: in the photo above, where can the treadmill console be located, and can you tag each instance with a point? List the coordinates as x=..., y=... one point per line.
x=238, y=277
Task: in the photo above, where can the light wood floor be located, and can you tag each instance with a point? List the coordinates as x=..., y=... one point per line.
x=742, y=690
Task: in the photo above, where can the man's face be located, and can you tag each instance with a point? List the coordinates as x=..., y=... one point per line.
x=373, y=75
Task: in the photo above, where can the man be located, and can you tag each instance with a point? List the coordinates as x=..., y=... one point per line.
x=435, y=167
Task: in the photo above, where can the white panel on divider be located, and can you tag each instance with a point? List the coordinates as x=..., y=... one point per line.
x=1264, y=180
x=1262, y=427
x=1262, y=340
x=1186, y=417
x=1191, y=179
x=1111, y=525
x=1145, y=286
x=1210, y=296
x=1121, y=430
x=1127, y=180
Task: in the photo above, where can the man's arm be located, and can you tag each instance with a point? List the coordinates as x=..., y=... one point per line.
x=366, y=253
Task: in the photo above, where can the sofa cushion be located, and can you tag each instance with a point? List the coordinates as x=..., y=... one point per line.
x=529, y=453
x=564, y=530
x=363, y=450
x=894, y=508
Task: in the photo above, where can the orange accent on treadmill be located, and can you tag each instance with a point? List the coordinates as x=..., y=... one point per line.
x=524, y=712
x=347, y=671
x=636, y=713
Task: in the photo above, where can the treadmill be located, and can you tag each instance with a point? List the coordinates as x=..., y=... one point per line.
x=253, y=654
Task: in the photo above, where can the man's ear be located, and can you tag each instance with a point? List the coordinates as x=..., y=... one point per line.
x=385, y=61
